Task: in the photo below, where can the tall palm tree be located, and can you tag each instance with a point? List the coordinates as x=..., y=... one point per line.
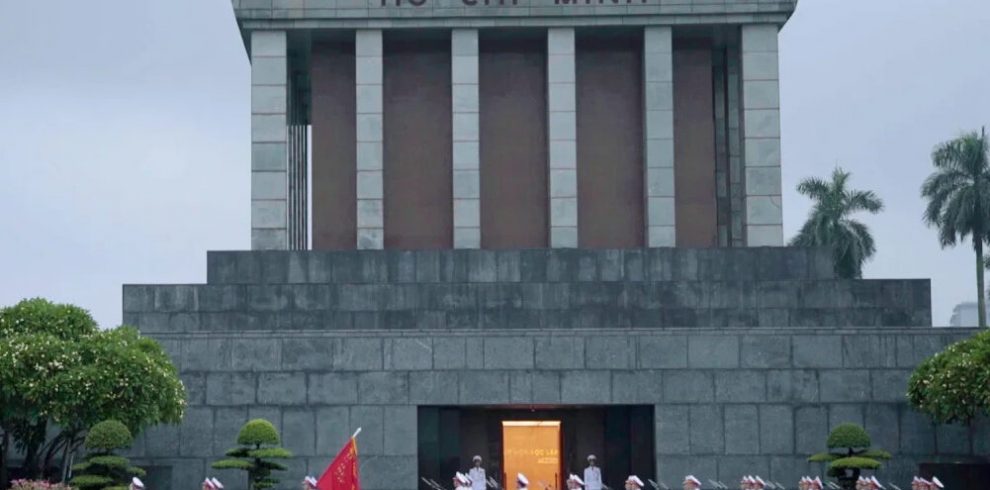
x=829, y=224
x=958, y=194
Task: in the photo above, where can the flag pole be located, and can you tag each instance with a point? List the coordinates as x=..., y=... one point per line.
x=358, y=431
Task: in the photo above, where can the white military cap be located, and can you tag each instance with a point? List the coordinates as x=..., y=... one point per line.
x=461, y=477
x=209, y=483
x=635, y=480
x=310, y=480
x=476, y=458
x=137, y=482
x=576, y=479
x=692, y=479
x=591, y=457
x=936, y=482
x=521, y=478
x=217, y=484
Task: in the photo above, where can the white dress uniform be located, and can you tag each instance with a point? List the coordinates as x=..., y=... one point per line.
x=478, y=479
x=593, y=478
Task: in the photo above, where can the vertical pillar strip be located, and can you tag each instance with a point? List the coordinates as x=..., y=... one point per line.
x=761, y=140
x=658, y=131
x=466, y=149
x=369, y=103
x=562, y=130
x=269, y=141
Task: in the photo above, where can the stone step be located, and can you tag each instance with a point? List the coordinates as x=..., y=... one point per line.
x=832, y=293
x=532, y=265
x=529, y=320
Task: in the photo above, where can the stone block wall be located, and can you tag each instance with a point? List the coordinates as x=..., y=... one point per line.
x=727, y=402
x=748, y=356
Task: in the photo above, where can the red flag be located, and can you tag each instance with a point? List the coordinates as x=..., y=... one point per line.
x=342, y=474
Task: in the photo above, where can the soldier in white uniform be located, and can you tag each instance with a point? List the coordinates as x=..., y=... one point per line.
x=477, y=474
x=633, y=483
x=691, y=483
x=574, y=482
x=461, y=481
x=309, y=483
x=136, y=484
x=521, y=482
x=592, y=474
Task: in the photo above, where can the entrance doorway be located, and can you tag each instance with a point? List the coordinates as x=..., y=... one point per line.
x=532, y=447
x=621, y=436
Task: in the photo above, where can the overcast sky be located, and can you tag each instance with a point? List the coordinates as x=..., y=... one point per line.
x=124, y=135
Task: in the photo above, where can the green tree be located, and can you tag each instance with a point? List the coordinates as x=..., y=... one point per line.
x=56, y=371
x=104, y=470
x=848, y=454
x=830, y=224
x=953, y=386
x=258, y=444
x=36, y=339
x=958, y=194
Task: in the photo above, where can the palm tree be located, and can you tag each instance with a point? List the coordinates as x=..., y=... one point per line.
x=958, y=194
x=829, y=224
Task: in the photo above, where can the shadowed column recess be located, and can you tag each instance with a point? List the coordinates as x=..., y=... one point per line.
x=418, y=173
x=513, y=142
x=610, y=142
x=334, y=185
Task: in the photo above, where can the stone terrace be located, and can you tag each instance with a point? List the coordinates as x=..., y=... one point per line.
x=558, y=289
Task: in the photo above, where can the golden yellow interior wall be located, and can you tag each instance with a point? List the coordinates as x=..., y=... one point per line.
x=533, y=449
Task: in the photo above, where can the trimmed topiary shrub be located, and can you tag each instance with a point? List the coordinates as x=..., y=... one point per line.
x=848, y=454
x=104, y=470
x=259, y=444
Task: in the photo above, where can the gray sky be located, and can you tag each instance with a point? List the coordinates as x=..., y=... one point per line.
x=124, y=135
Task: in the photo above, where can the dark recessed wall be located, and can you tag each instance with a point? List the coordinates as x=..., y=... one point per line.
x=610, y=141
x=334, y=193
x=418, y=154
x=513, y=126
x=621, y=436
x=694, y=145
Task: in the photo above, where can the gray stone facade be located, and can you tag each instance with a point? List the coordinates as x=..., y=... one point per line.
x=321, y=343
x=341, y=13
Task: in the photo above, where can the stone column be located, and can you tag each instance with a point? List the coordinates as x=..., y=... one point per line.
x=658, y=131
x=562, y=122
x=370, y=184
x=269, y=145
x=466, y=152
x=761, y=135
x=737, y=208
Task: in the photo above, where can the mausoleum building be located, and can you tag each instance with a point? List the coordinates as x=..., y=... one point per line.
x=530, y=230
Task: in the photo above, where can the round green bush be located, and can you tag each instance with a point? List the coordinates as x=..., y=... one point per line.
x=108, y=435
x=258, y=431
x=953, y=386
x=33, y=316
x=848, y=436
x=855, y=462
